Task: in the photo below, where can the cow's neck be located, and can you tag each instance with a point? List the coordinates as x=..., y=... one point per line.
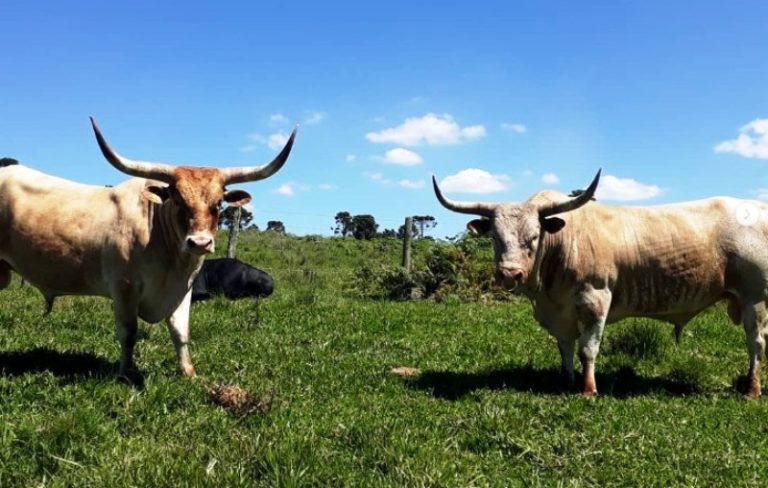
x=538, y=279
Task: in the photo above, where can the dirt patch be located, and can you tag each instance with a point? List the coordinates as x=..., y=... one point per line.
x=239, y=401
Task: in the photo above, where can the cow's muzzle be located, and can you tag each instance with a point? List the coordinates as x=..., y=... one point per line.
x=199, y=244
x=510, y=277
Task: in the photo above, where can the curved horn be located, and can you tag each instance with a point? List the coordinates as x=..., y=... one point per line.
x=573, y=203
x=142, y=169
x=254, y=173
x=474, y=208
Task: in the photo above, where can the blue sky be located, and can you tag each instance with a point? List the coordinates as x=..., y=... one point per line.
x=500, y=98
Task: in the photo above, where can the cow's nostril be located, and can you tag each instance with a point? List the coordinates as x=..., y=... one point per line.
x=510, y=274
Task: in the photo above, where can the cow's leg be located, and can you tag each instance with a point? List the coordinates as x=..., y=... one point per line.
x=178, y=327
x=755, y=321
x=592, y=312
x=49, y=299
x=5, y=274
x=126, y=322
x=567, y=348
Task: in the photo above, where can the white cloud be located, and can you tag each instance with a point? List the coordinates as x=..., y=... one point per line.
x=473, y=180
x=402, y=157
x=277, y=120
x=527, y=172
x=624, y=189
x=326, y=186
x=550, y=179
x=349, y=158
x=751, y=143
x=277, y=140
x=761, y=194
x=378, y=178
x=315, y=118
x=274, y=141
x=286, y=189
x=430, y=129
x=411, y=184
x=516, y=128
x=384, y=181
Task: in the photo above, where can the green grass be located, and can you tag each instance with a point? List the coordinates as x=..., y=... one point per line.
x=486, y=411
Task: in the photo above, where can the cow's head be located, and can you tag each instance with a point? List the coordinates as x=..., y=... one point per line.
x=517, y=229
x=194, y=195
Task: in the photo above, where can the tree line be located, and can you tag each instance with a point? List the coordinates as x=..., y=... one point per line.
x=364, y=226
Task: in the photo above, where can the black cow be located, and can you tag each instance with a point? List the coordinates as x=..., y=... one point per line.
x=232, y=278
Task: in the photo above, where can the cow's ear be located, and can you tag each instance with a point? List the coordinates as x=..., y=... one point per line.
x=237, y=198
x=553, y=224
x=479, y=227
x=156, y=194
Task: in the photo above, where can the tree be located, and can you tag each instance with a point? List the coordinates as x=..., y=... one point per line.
x=229, y=216
x=365, y=227
x=423, y=223
x=344, y=225
x=275, y=226
x=388, y=233
x=7, y=162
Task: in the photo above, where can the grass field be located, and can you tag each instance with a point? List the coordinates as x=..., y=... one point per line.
x=485, y=411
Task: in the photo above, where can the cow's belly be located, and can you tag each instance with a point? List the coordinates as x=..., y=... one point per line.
x=675, y=302
x=60, y=277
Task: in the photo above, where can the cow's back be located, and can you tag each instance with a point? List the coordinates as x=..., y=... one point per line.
x=59, y=234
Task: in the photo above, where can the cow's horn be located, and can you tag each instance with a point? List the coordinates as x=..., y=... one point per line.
x=254, y=173
x=474, y=208
x=573, y=203
x=142, y=169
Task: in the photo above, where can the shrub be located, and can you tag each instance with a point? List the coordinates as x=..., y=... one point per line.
x=640, y=340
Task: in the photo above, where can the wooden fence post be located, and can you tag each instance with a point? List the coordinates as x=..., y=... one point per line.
x=407, y=243
x=232, y=243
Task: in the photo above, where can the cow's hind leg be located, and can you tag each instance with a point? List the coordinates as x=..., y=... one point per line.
x=755, y=320
x=5, y=274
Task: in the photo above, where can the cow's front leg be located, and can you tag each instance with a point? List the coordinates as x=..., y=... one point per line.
x=592, y=313
x=755, y=321
x=178, y=327
x=567, y=347
x=126, y=324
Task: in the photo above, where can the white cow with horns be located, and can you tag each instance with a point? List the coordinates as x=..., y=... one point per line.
x=583, y=264
x=140, y=243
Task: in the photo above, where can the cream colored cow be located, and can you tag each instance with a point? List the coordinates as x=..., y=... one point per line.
x=583, y=264
x=140, y=243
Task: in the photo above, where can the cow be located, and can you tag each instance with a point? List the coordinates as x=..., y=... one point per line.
x=583, y=265
x=231, y=278
x=140, y=243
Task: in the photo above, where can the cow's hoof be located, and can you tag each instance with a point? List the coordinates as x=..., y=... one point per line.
x=589, y=393
x=752, y=394
x=131, y=377
x=187, y=371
